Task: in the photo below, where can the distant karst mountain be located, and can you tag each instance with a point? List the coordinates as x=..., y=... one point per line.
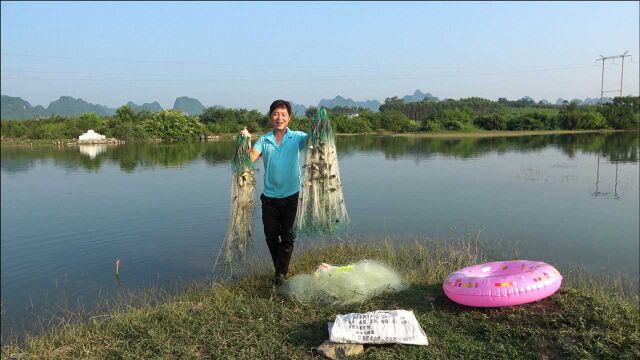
x=297, y=109
x=68, y=106
x=337, y=101
x=372, y=105
x=587, y=101
x=151, y=107
x=596, y=101
x=418, y=96
x=15, y=108
x=188, y=105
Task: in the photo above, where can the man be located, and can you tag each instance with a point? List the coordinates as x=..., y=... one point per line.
x=279, y=149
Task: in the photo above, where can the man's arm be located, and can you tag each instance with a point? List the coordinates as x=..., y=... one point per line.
x=254, y=154
x=304, y=140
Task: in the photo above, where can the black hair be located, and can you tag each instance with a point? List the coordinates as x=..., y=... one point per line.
x=279, y=104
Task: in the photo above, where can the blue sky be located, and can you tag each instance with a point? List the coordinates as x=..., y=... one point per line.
x=248, y=54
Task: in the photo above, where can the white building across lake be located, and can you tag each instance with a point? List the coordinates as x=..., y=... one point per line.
x=91, y=136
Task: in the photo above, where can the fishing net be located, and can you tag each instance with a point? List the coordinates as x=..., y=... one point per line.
x=243, y=186
x=321, y=207
x=345, y=284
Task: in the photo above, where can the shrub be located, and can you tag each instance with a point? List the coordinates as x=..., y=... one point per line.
x=491, y=122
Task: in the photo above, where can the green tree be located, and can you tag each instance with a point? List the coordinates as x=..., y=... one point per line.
x=455, y=119
x=172, y=125
x=568, y=117
x=525, y=122
x=229, y=120
x=311, y=112
x=622, y=112
x=392, y=103
x=343, y=124
x=125, y=113
x=591, y=120
x=396, y=121
x=491, y=122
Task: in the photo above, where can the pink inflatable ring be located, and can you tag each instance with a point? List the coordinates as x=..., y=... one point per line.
x=502, y=283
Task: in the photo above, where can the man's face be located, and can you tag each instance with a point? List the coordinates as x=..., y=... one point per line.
x=280, y=118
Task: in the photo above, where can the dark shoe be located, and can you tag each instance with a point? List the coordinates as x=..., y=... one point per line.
x=279, y=280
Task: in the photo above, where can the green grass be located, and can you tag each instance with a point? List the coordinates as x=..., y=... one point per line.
x=491, y=133
x=28, y=142
x=249, y=319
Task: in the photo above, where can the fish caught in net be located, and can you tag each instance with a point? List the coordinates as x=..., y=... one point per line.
x=321, y=207
x=345, y=284
x=243, y=186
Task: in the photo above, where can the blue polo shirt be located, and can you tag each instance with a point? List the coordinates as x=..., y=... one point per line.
x=281, y=162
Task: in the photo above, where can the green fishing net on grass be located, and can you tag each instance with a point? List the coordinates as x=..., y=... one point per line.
x=321, y=207
x=345, y=284
x=243, y=184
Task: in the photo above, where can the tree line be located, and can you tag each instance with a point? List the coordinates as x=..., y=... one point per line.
x=395, y=115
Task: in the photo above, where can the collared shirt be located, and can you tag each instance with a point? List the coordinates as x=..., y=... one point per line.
x=281, y=162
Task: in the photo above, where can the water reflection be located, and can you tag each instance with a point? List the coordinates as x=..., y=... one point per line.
x=622, y=147
x=92, y=150
x=615, y=147
x=129, y=156
x=606, y=194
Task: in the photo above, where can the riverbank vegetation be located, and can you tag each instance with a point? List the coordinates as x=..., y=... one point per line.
x=396, y=116
x=248, y=318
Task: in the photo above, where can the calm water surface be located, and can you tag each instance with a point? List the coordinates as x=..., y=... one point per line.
x=67, y=213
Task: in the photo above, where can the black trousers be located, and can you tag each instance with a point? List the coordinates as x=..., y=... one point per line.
x=278, y=216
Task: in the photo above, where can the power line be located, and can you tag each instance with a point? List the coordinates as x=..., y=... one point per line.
x=184, y=62
x=541, y=69
x=603, y=59
x=281, y=79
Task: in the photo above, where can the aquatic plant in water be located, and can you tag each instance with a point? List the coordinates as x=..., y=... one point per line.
x=243, y=186
x=321, y=207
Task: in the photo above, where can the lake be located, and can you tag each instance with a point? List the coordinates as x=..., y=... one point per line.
x=68, y=212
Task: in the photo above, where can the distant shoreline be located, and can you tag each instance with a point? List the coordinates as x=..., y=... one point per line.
x=439, y=134
x=499, y=133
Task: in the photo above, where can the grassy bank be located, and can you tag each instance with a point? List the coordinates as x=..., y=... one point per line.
x=28, y=142
x=248, y=318
x=489, y=133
